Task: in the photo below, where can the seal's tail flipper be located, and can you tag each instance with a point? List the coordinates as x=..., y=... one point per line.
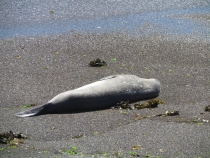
x=32, y=112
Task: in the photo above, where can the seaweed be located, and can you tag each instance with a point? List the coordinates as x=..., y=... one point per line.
x=98, y=63
x=12, y=138
x=153, y=103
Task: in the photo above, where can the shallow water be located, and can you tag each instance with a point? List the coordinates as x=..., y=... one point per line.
x=140, y=18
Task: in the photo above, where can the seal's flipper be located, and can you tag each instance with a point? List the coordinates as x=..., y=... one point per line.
x=32, y=112
x=108, y=77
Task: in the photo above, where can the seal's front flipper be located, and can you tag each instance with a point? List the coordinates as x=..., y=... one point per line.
x=32, y=112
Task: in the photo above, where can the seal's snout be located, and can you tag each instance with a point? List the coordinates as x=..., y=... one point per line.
x=155, y=86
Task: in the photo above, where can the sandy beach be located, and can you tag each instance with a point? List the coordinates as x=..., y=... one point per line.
x=36, y=68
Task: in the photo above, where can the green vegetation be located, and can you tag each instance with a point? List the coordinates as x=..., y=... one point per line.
x=148, y=155
x=113, y=59
x=118, y=154
x=95, y=133
x=46, y=151
x=2, y=149
x=133, y=153
x=26, y=106
x=72, y=151
x=200, y=123
x=123, y=112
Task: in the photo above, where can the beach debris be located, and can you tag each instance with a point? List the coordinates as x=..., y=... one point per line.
x=16, y=141
x=78, y=136
x=118, y=154
x=153, y=103
x=167, y=113
x=171, y=113
x=53, y=128
x=137, y=147
x=12, y=138
x=203, y=120
x=97, y=63
x=52, y=11
x=27, y=105
x=199, y=121
x=207, y=108
x=124, y=105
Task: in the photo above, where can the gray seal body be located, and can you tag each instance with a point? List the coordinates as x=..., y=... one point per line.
x=102, y=94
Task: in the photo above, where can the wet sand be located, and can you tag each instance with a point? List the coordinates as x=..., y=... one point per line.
x=33, y=73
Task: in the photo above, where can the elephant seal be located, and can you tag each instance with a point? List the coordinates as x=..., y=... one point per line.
x=102, y=94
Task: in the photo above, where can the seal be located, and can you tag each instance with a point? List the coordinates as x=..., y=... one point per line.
x=102, y=94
